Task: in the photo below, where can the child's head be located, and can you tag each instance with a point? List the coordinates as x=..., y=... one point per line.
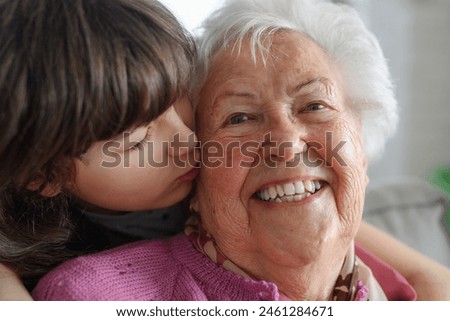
x=73, y=73
x=79, y=71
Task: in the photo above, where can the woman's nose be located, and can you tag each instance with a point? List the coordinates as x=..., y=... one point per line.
x=284, y=142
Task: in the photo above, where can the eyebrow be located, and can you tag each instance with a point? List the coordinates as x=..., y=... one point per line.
x=315, y=81
x=231, y=94
x=319, y=80
x=237, y=94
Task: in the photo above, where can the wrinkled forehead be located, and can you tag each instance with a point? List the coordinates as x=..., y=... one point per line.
x=284, y=53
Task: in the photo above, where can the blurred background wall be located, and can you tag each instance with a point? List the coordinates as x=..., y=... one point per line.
x=415, y=37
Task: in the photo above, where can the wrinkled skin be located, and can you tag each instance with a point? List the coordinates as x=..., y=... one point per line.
x=297, y=96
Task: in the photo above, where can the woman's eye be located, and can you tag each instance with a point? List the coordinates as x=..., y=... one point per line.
x=314, y=107
x=237, y=119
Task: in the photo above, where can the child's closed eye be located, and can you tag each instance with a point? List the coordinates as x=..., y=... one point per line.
x=140, y=144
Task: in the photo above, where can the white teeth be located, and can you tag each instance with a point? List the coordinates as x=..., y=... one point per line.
x=290, y=198
x=317, y=185
x=289, y=189
x=309, y=186
x=280, y=190
x=272, y=192
x=299, y=187
x=290, y=192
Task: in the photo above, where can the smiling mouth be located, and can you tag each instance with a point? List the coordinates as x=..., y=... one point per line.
x=289, y=192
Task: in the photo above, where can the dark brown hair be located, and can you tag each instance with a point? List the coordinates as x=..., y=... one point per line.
x=73, y=72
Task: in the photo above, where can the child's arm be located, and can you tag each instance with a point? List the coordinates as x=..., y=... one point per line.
x=11, y=289
x=430, y=279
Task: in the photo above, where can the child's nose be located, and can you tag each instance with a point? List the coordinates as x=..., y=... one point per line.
x=183, y=140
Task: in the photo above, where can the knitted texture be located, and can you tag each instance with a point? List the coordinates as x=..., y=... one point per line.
x=163, y=270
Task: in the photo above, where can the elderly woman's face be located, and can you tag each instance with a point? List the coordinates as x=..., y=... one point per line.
x=283, y=182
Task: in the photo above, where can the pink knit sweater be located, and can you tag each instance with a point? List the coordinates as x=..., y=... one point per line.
x=167, y=270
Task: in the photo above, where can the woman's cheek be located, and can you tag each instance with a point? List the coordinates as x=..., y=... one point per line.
x=352, y=177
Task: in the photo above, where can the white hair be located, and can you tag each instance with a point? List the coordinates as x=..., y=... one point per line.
x=336, y=28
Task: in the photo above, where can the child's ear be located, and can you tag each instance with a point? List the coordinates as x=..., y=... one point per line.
x=49, y=190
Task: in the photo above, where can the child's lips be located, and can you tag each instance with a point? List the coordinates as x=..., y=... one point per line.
x=189, y=176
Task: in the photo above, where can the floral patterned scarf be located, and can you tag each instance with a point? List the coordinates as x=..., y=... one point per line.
x=354, y=283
